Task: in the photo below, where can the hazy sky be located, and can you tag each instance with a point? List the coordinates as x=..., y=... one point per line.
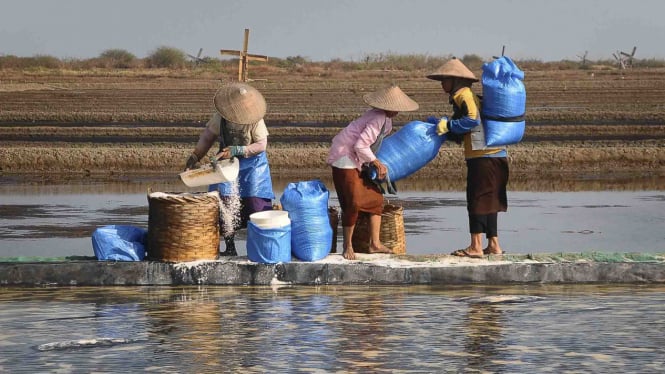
x=548, y=30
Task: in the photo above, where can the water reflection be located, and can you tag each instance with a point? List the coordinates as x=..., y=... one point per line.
x=325, y=329
x=364, y=332
x=484, y=335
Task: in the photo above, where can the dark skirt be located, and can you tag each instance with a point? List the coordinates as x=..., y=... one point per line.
x=486, y=181
x=355, y=195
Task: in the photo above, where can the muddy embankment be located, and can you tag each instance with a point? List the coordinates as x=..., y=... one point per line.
x=579, y=123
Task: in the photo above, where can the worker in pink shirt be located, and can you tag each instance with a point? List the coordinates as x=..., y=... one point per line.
x=355, y=147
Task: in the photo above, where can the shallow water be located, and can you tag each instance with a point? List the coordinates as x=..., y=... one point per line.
x=522, y=329
x=55, y=220
x=530, y=328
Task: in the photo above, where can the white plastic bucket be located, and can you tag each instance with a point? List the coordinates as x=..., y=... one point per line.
x=270, y=219
x=223, y=171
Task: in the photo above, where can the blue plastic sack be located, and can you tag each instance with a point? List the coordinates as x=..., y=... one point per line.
x=409, y=149
x=504, y=102
x=254, y=179
x=268, y=246
x=307, y=204
x=119, y=243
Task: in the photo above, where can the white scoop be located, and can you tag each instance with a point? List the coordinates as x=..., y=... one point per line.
x=223, y=171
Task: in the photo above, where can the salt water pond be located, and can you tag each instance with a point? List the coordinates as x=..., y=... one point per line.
x=55, y=220
x=518, y=329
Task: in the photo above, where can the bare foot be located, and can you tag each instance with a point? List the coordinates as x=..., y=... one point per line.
x=349, y=254
x=492, y=251
x=379, y=249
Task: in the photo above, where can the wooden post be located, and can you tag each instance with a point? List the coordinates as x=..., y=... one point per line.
x=243, y=57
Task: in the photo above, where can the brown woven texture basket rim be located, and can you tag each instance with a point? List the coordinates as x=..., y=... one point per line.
x=184, y=197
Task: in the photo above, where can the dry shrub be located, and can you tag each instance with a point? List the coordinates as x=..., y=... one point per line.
x=167, y=57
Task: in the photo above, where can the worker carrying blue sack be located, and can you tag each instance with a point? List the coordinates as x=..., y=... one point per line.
x=487, y=167
x=352, y=150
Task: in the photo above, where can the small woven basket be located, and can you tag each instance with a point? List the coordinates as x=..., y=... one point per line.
x=183, y=227
x=391, y=232
x=333, y=216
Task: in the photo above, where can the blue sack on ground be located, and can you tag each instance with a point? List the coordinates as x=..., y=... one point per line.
x=268, y=246
x=504, y=102
x=119, y=243
x=307, y=204
x=409, y=149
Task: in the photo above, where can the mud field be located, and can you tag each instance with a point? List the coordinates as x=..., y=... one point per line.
x=111, y=123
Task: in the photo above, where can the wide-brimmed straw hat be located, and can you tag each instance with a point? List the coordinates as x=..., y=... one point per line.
x=390, y=98
x=240, y=103
x=454, y=68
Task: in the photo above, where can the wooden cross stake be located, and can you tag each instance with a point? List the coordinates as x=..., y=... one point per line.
x=244, y=57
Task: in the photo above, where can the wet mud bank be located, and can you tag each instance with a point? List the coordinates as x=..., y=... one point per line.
x=334, y=270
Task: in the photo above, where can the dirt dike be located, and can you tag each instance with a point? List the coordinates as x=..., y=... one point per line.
x=103, y=123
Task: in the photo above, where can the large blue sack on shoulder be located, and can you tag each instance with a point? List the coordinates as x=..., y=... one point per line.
x=307, y=204
x=409, y=149
x=119, y=243
x=268, y=246
x=504, y=102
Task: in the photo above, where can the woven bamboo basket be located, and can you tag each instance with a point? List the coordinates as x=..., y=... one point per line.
x=183, y=227
x=391, y=232
x=333, y=216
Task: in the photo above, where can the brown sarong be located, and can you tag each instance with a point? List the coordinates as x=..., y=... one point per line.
x=355, y=195
x=486, y=182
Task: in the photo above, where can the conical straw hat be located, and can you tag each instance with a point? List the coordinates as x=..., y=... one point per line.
x=391, y=99
x=454, y=68
x=240, y=103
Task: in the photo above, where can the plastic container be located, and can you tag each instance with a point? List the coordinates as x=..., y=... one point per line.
x=223, y=171
x=270, y=219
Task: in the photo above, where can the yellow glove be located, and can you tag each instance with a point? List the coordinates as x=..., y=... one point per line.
x=442, y=126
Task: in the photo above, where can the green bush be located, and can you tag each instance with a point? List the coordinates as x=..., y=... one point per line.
x=118, y=58
x=167, y=57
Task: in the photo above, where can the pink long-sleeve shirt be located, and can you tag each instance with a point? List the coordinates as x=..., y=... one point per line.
x=355, y=139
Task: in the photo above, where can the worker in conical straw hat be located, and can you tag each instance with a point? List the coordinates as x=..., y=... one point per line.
x=238, y=125
x=487, y=168
x=453, y=68
x=355, y=146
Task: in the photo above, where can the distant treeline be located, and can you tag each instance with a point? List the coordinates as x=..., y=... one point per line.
x=173, y=58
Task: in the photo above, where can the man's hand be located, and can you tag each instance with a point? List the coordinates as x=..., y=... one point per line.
x=191, y=161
